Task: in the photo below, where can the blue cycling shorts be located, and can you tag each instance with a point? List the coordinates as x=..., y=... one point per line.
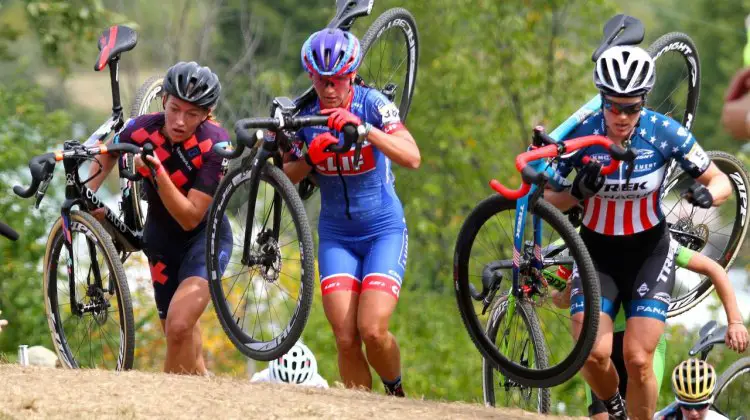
x=378, y=263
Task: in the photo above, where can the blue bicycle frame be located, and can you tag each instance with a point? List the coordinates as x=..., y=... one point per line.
x=522, y=204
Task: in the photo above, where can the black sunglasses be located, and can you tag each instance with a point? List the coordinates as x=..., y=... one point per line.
x=617, y=109
x=696, y=407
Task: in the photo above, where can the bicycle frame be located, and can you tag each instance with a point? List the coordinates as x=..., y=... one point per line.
x=522, y=203
x=78, y=194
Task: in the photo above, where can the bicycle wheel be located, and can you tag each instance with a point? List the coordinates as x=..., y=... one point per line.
x=485, y=242
x=678, y=78
x=98, y=329
x=148, y=99
x=391, y=57
x=272, y=283
x=718, y=232
x=732, y=390
x=532, y=351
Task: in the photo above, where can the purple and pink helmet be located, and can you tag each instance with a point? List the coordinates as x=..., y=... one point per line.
x=331, y=52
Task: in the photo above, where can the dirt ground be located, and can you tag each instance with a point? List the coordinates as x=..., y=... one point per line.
x=35, y=392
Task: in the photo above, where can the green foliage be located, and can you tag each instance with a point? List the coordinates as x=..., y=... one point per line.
x=26, y=131
x=67, y=30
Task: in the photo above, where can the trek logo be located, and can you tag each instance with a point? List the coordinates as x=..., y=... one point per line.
x=737, y=179
x=650, y=309
x=346, y=163
x=666, y=269
x=519, y=221
x=628, y=186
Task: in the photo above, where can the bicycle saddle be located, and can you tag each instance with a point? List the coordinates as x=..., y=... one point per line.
x=347, y=11
x=709, y=336
x=113, y=41
x=620, y=30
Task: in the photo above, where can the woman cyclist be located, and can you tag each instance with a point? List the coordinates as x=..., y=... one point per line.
x=623, y=227
x=362, y=231
x=187, y=172
x=736, y=337
x=693, y=383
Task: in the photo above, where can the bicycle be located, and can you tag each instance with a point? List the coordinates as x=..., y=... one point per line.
x=277, y=265
x=106, y=243
x=8, y=232
x=680, y=47
x=729, y=404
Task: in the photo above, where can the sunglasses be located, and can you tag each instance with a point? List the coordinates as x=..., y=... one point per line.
x=695, y=407
x=617, y=108
x=334, y=80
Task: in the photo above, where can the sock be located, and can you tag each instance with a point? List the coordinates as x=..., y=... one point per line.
x=394, y=387
x=616, y=407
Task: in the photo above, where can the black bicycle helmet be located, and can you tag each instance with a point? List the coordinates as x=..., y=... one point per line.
x=193, y=83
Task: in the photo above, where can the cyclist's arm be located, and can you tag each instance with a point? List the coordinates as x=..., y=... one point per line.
x=563, y=200
x=717, y=183
x=389, y=134
x=295, y=167
x=108, y=162
x=695, y=161
x=399, y=147
x=190, y=210
x=702, y=264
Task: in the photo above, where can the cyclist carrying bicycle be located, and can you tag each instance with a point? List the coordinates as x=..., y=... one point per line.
x=623, y=226
x=362, y=231
x=693, y=383
x=736, y=337
x=187, y=172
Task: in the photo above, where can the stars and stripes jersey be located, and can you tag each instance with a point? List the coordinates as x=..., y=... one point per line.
x=357, y=203
x=626, y=206
x=191, y=164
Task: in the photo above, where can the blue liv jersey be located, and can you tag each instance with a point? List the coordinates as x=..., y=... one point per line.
x=628, y=206
x=357, y=204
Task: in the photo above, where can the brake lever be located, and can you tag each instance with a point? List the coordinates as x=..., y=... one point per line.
x=42, y=191
x=148, y=150
x=357, y=152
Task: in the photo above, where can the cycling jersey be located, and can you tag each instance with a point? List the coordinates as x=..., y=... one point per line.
x=191, y=164
x=357, y=203
x=630, y=204
x=673, y=412
x=173, y=253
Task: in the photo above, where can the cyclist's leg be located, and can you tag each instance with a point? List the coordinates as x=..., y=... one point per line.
x=184, y=346
x=383, y=271
x=598, y=371
x=340, y=273
x=646, y=310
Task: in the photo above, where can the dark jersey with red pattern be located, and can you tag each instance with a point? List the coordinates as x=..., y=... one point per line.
x=191, y=164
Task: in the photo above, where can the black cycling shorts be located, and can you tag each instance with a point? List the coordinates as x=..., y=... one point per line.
x=172, y=262
x=636, y=271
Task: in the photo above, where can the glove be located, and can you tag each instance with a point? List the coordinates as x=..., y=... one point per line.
x=338, y=117
x=698, y=195
x=588, y=181
x=152, y=162
x=316, y=151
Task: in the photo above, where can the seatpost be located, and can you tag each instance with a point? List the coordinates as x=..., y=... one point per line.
x=114, y=74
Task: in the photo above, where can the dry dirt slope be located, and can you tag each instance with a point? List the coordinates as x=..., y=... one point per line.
x=34, y=392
